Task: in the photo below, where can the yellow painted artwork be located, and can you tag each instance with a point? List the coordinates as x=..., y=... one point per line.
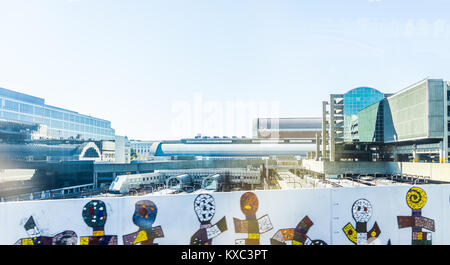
x=142, y=236
x=351, y=235
x=416, y=198
x=84, y=240
x=253, y=235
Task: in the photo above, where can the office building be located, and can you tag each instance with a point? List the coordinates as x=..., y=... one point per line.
x=60, y=123
x=141, y=148
x=365, y=124
x=412, y=123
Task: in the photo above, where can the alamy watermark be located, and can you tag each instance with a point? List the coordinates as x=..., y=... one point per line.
x=218, y=117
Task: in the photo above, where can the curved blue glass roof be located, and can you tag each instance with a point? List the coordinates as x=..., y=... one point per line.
x=359, y=98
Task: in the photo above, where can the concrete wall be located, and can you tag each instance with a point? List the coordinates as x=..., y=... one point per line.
x=330, y=210
x=350, y=167
x=436, y=171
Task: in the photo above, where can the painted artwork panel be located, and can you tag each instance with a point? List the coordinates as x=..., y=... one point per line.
x=330, y=211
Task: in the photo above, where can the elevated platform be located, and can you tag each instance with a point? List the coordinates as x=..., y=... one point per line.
x=432, y=171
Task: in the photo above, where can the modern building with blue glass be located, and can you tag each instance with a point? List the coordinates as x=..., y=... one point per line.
x=340, y=117
x=366, y=124
x=354, y=101
x=58, y=123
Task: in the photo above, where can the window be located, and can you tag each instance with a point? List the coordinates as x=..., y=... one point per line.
x=26, y=118
x=11, y=105
x=9, y=115
x=25, y=108
x=56, y=115
x=57, y=124
x=39, y=111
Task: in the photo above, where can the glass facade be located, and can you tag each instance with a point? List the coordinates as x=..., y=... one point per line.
x=371, y=123
x=61, y=123
x=141, y=147
x=359, y=98
x=354, y=101
x=411, y=114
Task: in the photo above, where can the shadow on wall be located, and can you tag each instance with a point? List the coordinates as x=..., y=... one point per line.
x=390, y=134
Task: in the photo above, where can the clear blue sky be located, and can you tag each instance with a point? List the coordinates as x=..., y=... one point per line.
x=143, y=65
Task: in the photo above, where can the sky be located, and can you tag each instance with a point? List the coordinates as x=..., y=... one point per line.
x=175, y=68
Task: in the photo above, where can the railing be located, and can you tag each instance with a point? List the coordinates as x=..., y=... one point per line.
x=61, y=193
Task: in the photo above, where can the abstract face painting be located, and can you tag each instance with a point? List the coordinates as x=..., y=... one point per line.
x=94, y=213
x=362, y=210
x=145, y=214
x=204, y=207
x=249, y=203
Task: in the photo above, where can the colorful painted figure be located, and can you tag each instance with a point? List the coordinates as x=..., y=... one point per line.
x=297, y=235
x=35, y=238
x=254, y=227
x=416, y=199
x=95, y=216
x=205, y=207
x=144, y=216
x=362, y=211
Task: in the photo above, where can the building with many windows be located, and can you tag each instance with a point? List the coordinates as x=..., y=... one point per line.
x=60, y=123
x=340, y=117
x=410, y=125
x=141, y=148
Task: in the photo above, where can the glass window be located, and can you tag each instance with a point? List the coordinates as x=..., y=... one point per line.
x=66, y=116
x=38, y=120
x=57, y=124
x=47, y=113
x=56, y=115
x=38, y=111
x=11, y=105
x=26, y=118
x=25, y=108
x=10, y=115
